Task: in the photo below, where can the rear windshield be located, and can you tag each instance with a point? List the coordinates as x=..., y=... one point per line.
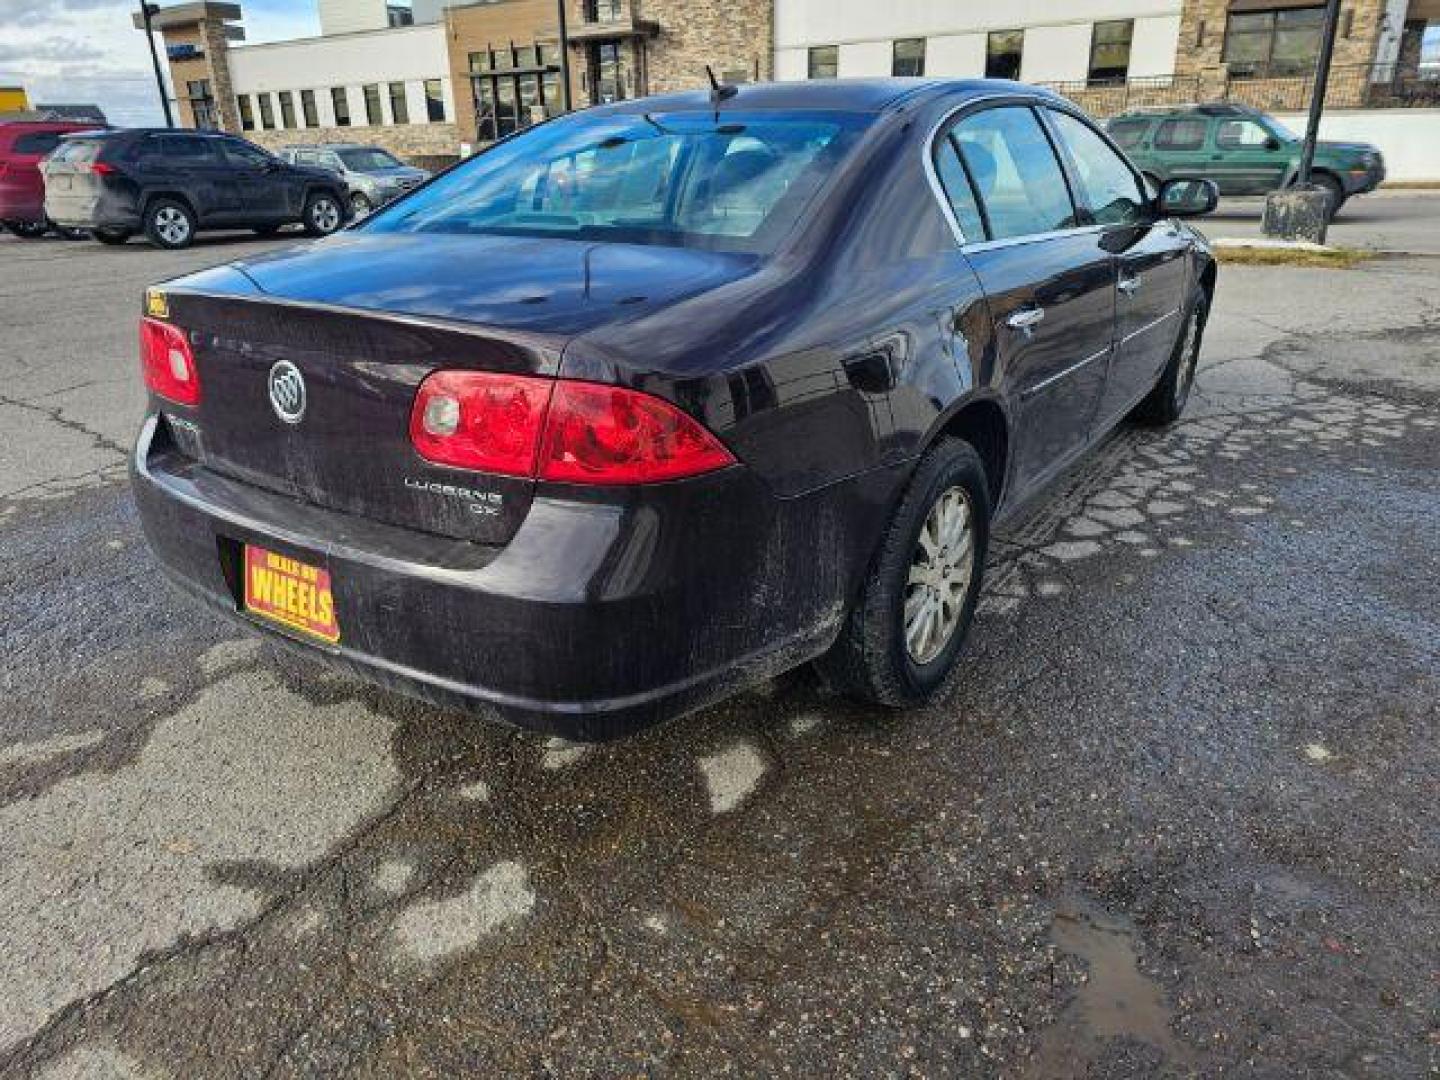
x=733, y=183
x=367, y=160
x=78, y=151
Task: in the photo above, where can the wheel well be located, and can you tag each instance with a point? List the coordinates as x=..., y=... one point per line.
x=173, y=196
x=982, y=425
x=1207, y=281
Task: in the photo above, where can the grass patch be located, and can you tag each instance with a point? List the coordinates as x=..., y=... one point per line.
x=1330, y=259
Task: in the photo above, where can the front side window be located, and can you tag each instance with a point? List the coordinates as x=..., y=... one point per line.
x=341, y=103
x=909, y=58
x=1181, y=134
x=434, y=102
x=824, y=61
x=737, y=184
x=247, y=115
x=1016, y=176
x=399, y=110
x=238, y=152
x=1280, y=42
x=267, y=111
x=1111, y=192
x=287, y=109
x=1004, y=51
x=373, y=116
x=307, y=108
x=1110, y=50
x=1241, y=135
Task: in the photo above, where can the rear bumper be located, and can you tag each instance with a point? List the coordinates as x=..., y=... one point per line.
x=92, y=210
x=597, y=619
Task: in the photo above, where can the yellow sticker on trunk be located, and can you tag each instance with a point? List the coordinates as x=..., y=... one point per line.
x=156, y=306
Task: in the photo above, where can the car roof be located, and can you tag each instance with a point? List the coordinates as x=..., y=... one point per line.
x=1215, y=108
x=851, y=95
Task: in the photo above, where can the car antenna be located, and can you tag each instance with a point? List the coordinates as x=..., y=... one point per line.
x=719, y=91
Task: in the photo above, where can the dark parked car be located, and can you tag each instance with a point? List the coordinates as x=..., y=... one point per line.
x=24, y=144
x=667, y=396
x=1245, y=151
x=170, y=184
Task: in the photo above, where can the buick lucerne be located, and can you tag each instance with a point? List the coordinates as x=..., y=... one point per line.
x=651, y=401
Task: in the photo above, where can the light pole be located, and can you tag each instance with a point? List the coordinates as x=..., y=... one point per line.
x=564, y=58
x=146, y=11
x=1317, y=97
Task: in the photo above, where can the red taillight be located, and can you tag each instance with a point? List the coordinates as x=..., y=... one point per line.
x=168, y=362
x=101, y=168
x=571, y=432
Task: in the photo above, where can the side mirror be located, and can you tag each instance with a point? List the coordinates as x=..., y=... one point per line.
x=1185, y=197
x=1272, y=143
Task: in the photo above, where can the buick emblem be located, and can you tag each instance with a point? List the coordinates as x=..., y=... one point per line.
x=287, y=392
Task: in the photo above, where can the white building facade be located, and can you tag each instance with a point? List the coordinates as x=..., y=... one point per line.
x=1038, y=41
x=390, y=87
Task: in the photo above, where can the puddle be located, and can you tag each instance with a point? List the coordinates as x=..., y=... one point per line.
x=1117, y=1001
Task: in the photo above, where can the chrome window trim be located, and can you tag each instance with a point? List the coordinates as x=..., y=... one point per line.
x=932, y=175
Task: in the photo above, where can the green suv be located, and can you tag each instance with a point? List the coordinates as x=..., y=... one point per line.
x=1245, y=151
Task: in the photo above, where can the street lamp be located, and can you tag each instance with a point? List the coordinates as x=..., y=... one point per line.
x=146, y=11
x=564, y=58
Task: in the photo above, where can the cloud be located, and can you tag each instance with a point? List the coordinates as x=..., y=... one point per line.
x=51, y=48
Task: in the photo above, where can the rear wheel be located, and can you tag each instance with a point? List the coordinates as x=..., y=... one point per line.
x=1167, y=401
x=114, y=237
x=322, y=214
x=906, y=630
x=169, y=224
x=28, y=230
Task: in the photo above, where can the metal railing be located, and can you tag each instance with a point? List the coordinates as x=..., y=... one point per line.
x=1352, y=86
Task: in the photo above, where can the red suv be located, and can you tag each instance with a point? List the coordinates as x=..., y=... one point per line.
x=23, y=145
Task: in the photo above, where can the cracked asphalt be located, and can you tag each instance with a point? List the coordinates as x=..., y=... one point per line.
x=1178, y=813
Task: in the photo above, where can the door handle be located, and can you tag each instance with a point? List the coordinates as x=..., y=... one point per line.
x=1128, y=285
x=1025, y=319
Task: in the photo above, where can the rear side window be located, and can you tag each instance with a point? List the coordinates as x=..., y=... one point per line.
x=37, y=142
x=179, y=149
x=1181, y=135
x=1240, y=135
x=78, y=151
x=1016, y=176
x=958, y=190
x=1112, y=193
x=1129, y=134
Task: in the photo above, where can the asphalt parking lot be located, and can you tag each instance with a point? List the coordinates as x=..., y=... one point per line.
x=1178, y=814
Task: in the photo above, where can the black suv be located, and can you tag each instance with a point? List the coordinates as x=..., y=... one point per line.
x=171, y=183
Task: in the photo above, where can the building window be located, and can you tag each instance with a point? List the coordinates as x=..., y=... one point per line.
x=603, y=10
x=247, y=114
x=1110, y=50
x=1003, y=52
x=1282, y=42
x=909, y=57
x=341, y=101
x=267, y=111
x=607, y=73
x=434, y=102
x=399, y=108
x=287, y=109
x=307, y=108
x=202, y=105
x=511, y=87
x=373, y=116
x=824, y=61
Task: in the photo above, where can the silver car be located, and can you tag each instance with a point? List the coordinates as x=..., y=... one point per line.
x=373, y=176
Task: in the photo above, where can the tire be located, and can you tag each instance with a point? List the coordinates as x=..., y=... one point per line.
x=113, y=237
x=1167, y=400
x=1334, y=187
x=170, y=224
x=322, y=214
x=360, y=204
x=28, y=230
x=881, y=656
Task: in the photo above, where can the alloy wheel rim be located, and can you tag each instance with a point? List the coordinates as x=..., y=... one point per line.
x=940, y=573
x=172, y=225
x=1189, y=359
x=325, y=215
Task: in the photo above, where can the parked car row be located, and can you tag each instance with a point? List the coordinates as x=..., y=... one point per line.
x=170, y=184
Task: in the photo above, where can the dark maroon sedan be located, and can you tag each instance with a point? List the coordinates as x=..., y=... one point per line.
x=663, y=398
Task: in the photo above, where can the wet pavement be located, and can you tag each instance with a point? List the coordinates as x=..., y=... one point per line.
x=1178, y=813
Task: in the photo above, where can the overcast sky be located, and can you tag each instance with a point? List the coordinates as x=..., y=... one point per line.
x=87, y=51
